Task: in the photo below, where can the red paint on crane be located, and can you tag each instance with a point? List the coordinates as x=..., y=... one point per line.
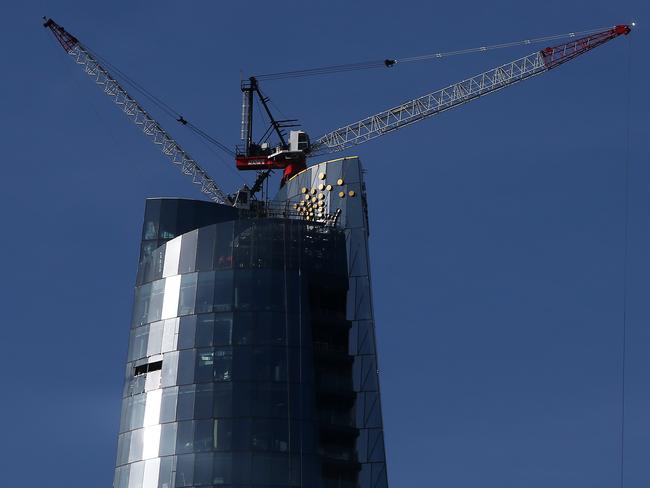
x=557, y=55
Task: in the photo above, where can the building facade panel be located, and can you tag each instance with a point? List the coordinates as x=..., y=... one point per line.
x=239, y=372
x=252, y=352
x=339, y=185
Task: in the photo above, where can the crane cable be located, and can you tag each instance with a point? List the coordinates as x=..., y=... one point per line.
x=389, y=63
x=626, y=205
x=166, y=108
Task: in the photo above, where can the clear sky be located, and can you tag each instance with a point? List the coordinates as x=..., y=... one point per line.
x=497, y=229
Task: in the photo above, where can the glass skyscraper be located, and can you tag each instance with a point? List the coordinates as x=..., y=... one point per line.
x=252, y=357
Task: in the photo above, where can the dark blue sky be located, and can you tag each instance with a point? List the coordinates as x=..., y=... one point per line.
x=497, y=229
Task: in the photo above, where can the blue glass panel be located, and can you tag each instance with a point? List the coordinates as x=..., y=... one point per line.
x=187, y=297
x=205, y=292
x=185, y=470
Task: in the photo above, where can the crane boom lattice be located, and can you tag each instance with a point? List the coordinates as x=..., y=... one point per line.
x=136, y=113
x=459, y=93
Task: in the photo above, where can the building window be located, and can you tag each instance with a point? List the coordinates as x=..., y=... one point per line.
x=147, y=368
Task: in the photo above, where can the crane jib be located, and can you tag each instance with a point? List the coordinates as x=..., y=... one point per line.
x=292, y=157
x=138, y=115
x=67, y=40
x=556, y=55
x=462, y=92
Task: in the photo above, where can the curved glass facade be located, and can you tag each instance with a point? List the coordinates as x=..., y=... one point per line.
x=338, y=188
x=252, y=357
x=236, y=327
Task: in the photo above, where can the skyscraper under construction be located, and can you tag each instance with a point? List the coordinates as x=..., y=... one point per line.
x=252, y=356
x=252, y=359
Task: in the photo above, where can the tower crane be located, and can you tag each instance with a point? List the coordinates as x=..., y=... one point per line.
x=138, y=115
x=291, y=155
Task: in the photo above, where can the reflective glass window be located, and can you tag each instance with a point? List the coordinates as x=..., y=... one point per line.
x=172, y=256
x=222, y=434
x=205, y=248
x=277, y=326
x=269, y=363
x=244, y=289
x=168, y=218
x=169, y=338
x=269, y=293
x=261, y=435
x=203, y=401
x=168, y=439
x=185, y=470
x=223, y=248
x=186, y=332
x=223, y=329
x=186, y=366
x=165, y=476
x=203, y=430
x=151, y=471
x=124, y=419
x=185, y=437
x=135, y=450
x=154, y=344
x=243, y=398
x=241, y=467
x=204, y=365
x=244, y=328
x=222, y=364
x=187, y=294
x=156, y=300
x=204, y=330
x=169, y=369
x=188, y=253
x=121, y=477
x=279, y=435
x=223, y=290
x=242, y=366
x=140, y=341
x=137, y=411
x=222, y=406
x=136, y=385
x=168, y=404
x=155, y=264
x=358, y=300
x=222, y=468
x=203, y=469
x=141, y=304
x=123, y=446
x=171, y=297
x=151, y=218
x=185, y=403
x=136, y=474
x=270, y=400
x=261, y=468
x=241, y=434
x=205, y=292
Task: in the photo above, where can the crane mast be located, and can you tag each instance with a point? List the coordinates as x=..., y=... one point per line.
x=459, y=93
x=136, y=113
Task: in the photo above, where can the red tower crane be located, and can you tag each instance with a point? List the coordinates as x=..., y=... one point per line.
x=291, y=155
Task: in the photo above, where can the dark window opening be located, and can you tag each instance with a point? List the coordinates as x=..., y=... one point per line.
x=147, y=368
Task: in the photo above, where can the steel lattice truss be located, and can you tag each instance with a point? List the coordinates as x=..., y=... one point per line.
x=149, y=126
x=430, y=104
x=460, y=93
x=353, y=134
x=137, y=114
